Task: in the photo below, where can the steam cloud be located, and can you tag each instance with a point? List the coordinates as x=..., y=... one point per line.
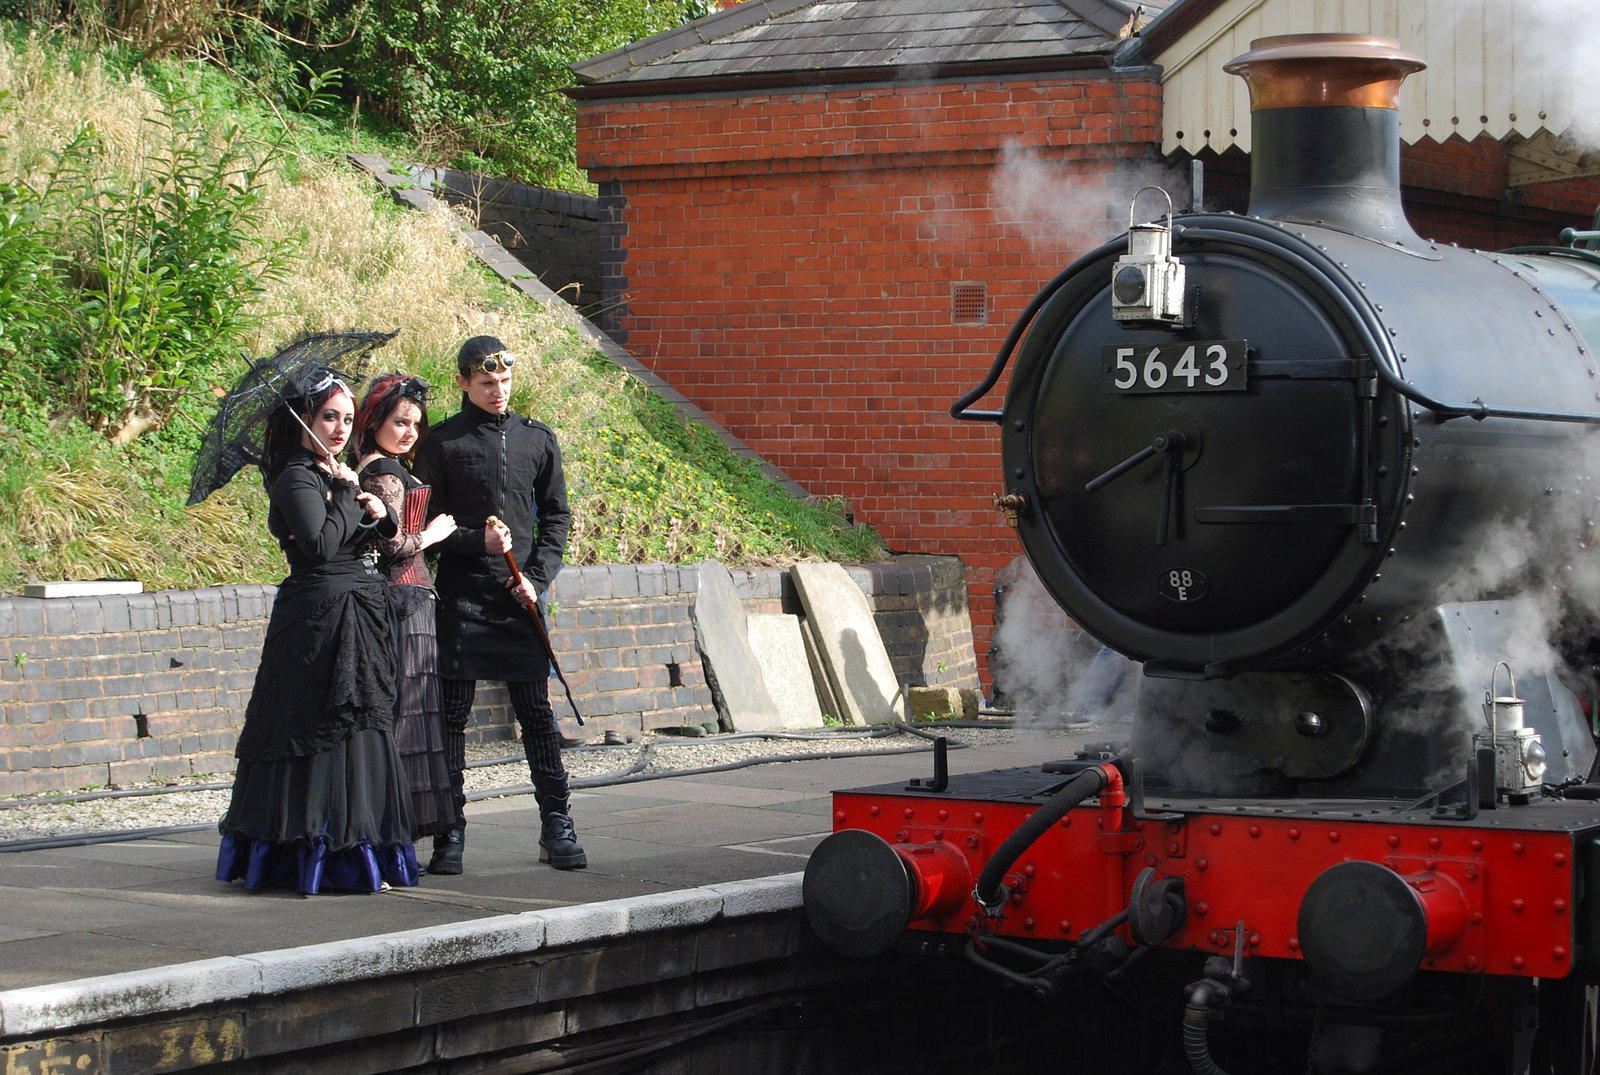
x=1049, y=670
x=1066, y=208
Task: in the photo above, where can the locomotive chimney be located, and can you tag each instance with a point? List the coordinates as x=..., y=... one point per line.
x=1325, y=130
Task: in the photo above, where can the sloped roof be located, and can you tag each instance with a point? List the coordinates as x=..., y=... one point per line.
x=1497, y=68
x=776, y=42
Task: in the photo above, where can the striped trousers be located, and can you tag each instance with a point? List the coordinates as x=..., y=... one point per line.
x=541, y=739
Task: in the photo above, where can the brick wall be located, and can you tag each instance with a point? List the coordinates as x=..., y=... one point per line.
x=553, y=232
x=117, y=689
x=792, y=263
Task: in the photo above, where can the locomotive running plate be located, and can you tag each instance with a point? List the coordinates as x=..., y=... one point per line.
x=1184, y=366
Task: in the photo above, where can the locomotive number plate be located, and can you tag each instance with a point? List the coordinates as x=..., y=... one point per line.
x=1197, y=366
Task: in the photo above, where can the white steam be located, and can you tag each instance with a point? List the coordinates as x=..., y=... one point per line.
x=1547, y=47
x=1068, y=207
x=1049, y=670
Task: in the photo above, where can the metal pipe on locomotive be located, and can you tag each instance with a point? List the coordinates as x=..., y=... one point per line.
x=1332, y=485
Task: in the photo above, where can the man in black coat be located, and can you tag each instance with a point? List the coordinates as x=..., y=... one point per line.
x=487, y=461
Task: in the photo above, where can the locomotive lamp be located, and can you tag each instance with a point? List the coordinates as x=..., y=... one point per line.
x=1147, y=281
x=1519, y=759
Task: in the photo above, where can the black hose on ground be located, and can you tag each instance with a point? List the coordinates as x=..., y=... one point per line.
x=86, y=839
x=627, y=776
x=112, y=793
x=990, y=890
x=1203, y=996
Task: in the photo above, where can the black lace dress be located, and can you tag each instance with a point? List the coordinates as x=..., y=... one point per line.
x=419, y=706
x=319, y=794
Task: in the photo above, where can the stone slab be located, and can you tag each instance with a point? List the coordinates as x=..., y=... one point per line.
x=832, y=708
x=737, y=687
x=86, y=588
x=781, y=651
x=940, y=703
x=852, y=650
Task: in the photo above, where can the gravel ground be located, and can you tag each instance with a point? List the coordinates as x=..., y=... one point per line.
x=494, y=768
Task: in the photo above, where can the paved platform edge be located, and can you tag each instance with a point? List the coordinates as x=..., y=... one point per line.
x=60, y=1006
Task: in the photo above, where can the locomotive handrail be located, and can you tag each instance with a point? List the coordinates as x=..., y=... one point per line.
x=1574, y=252
x=1276, y=240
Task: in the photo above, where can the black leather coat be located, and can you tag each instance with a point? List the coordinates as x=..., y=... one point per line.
x=481, y=464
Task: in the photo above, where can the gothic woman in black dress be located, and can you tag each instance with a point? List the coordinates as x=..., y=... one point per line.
x=392, y=418
x=319, y=794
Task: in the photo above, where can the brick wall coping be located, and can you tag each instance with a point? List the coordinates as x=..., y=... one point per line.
x=64, y=1006
x=162, y=609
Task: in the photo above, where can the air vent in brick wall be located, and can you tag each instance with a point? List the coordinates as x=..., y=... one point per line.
x=969, y=303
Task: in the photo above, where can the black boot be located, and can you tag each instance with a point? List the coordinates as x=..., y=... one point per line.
x=558, y=844
x=447, y=849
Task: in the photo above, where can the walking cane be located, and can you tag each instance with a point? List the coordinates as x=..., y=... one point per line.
x=538, y=625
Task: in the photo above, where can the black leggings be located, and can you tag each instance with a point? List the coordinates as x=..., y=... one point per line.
x=541, y=738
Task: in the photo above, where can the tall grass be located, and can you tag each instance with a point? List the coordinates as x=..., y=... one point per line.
x=645, y=485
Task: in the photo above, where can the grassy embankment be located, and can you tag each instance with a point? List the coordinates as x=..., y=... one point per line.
x=645, y=486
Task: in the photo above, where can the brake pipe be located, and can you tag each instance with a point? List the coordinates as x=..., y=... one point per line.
x=990, y=891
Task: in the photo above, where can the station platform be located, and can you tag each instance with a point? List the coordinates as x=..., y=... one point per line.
x=81, y=924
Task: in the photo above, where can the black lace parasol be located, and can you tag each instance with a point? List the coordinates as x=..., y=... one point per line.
x=234, y=437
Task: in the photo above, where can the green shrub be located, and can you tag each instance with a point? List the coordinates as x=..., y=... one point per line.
x=168, y=270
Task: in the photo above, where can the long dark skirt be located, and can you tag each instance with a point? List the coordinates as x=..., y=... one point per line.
x=419, y=714
x=340, y=819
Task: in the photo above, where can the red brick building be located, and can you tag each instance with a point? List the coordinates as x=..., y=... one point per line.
x=820, y=218
x=822, y=244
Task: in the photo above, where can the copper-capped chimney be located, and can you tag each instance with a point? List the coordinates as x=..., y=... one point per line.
x=1325, y=130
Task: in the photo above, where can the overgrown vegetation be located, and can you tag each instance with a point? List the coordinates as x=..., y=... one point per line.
x=153, y=226
x=475, y=83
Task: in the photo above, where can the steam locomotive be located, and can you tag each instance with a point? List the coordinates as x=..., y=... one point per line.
x=1332, y=484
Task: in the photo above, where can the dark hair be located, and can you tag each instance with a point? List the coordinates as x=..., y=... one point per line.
x=475, y=351
x=284, y=428
x=386, y=393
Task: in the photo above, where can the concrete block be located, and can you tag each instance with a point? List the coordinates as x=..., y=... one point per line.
x=27, y=617
x=720, y=629
x=624, y=580
x=827, y=693
x=114, y=614
x=936, y=703
x=87, y=615
x=60, y=1006
x=672, y=910
x=398, y=953
x=763, y=895
x=781, y=653
x=578, y=925
x=852, y=650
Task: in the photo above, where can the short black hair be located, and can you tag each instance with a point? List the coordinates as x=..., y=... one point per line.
x=475, y=351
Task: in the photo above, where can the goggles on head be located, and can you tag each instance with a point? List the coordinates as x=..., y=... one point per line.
x=500, y=360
